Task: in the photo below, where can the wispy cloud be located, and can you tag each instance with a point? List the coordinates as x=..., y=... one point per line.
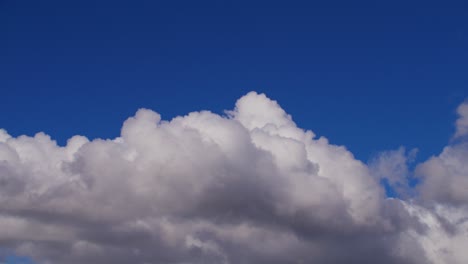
x=462, y=121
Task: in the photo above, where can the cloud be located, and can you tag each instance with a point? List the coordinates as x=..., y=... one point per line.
x=446, y=176
x=462, y=121
x=392, y=167
x=248, y=187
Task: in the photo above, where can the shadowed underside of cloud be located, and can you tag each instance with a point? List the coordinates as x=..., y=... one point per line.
x=248, y=187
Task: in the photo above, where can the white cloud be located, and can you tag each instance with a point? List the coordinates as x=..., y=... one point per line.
x=250, y=187
x=462, y=121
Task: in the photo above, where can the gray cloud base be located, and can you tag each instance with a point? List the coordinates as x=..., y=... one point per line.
x=248, y=187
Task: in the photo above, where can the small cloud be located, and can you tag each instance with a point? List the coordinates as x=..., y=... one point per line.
x=462, y=121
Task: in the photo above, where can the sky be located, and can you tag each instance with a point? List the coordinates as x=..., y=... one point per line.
x=391, y=73
x=233, y=132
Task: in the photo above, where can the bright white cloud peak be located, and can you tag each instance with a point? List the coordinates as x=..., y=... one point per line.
x=250, y=187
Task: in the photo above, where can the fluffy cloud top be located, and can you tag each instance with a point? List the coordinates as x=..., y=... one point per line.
x=249, y=187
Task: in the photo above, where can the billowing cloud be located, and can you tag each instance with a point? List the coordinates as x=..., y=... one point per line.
x=248, y=187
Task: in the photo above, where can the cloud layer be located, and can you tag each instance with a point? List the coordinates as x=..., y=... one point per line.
x=248, y=187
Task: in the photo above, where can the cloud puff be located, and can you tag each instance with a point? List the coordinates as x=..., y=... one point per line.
x=248, y=187
x=446, y=176
x=462, y=122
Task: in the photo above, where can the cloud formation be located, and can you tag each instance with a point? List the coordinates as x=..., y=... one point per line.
x=248, y=187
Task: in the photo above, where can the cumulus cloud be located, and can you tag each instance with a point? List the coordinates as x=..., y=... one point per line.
x=247, y=187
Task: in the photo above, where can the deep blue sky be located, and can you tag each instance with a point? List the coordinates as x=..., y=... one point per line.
x=369, y=75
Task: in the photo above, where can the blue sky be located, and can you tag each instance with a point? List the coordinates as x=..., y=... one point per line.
x=369, y=75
